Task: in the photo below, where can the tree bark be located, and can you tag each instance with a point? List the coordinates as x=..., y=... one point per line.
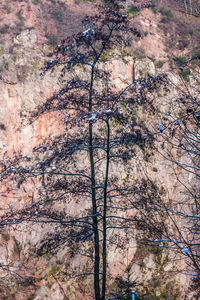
x=94, y=206
x=105, y=212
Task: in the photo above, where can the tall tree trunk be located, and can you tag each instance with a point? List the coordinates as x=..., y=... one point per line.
x=105, y=212
x=93, y=189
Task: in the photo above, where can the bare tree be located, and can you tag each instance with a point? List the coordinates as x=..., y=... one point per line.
x=76, y=166
x=173, y=220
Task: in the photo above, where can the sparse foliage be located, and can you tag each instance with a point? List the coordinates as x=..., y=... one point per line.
x=76, y=167
x=172, y=220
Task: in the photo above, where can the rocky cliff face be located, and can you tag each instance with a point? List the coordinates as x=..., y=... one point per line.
x=28, y=32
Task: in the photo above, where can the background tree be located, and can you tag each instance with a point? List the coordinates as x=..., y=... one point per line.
x=172, y=220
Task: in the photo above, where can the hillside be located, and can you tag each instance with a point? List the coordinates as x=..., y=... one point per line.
x=161, y=56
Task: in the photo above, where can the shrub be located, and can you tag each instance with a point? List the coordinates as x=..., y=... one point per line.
x=185, y=74
x=183, y=43
x=166, y=15
x=7, y=7
x=20, y=26
x=17, y=247
x=19, y=15
x=133, y=10
x=1, y=51
x=53, y=40
x=31, y=297
x=6, y=65
x=4, y=28
x=139, y=53
x=58, y=15
x=154, y=9
x=35, y=1
x=146, y=32
x=191, y=31
x=5, y=236
x=159, y=63
x=164, y=19
x=180, y=60
x=166, y=12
